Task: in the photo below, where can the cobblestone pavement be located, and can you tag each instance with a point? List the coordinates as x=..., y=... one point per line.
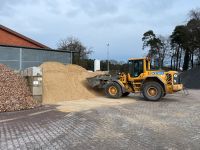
x=172, y=123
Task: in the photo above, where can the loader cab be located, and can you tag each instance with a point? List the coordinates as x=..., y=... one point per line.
x=138, y=66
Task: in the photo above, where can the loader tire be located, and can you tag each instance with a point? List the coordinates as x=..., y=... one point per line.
x=113, y=90
x=125, y=94
x=152, y=91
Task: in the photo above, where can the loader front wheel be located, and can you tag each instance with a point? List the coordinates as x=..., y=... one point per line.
x=113, y=90
x=152, y=91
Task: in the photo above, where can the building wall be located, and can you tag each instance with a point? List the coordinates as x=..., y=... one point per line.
x=9, y=39
x=20, y=58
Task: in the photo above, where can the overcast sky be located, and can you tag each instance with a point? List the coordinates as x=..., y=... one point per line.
x=96, y=22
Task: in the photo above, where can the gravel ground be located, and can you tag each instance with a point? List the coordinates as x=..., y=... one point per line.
x=172, y=123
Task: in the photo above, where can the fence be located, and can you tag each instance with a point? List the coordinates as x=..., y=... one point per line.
x=19, y=58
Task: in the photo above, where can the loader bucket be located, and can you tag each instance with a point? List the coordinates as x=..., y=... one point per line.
x=98, y=81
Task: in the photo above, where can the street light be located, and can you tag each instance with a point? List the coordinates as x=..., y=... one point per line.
x=108, y=67
x=71, y=58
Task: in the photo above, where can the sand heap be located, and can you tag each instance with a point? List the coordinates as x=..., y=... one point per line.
x=191, y=78
x=65, y=82
x=14, y=92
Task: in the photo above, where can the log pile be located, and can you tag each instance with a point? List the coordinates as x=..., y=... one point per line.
x=14, y=92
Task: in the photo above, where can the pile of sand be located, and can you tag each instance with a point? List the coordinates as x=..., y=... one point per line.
x=191, y=78
x=65, y=82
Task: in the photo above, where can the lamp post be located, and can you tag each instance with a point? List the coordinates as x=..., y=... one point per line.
x=108, y=67
x=71, y=57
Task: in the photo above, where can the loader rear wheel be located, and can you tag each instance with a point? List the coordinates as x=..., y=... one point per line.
x=152, y=91
x=113, y=90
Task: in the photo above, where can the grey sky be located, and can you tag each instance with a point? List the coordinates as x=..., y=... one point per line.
x=96, y=22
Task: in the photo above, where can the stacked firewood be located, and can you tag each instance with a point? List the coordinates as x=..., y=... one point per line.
x=14, y=92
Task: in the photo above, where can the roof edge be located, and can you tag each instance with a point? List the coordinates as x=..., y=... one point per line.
x=42, y=49
x=23, y=37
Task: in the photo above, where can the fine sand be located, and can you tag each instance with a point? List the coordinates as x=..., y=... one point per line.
x=65, y=82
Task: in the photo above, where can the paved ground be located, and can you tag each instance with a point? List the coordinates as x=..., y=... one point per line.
x=173, y=123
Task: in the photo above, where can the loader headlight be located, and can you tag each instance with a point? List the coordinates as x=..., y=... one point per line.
x=176, y=78
x=175, y=81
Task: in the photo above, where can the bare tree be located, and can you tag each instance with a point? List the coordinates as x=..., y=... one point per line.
x=164, y=48
x=195, y=14
x=74, y=45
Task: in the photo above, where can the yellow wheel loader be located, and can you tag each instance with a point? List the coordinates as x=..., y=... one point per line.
x=153, y=84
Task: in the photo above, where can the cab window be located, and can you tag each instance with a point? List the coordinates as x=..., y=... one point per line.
x=135, y=67
x=147, y=65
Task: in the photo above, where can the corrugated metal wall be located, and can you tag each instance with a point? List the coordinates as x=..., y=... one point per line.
x=20, y=58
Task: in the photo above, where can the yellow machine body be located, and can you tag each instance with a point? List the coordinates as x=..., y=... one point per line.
x=168, y=80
